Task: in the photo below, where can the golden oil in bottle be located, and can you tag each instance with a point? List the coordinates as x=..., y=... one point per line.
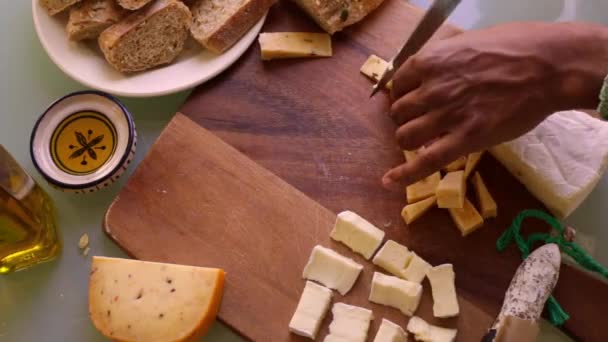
x=28, y=234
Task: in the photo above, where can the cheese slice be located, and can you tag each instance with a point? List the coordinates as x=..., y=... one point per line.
x=311, y=309
x=332, y=269
x=390, y=332
x=423, y=189
x=487, y=204
x=425, y=332
x=416, y=269
x=472, y=161
x=560, y=161
x=131, y=300
x=396, y=293
x=412, y=212
x=445, y=302
x=349, y=324
x=394, y=258
x=451, y=190
x=466, y=219
x=357, y=233
x=456, y=165
x=294, y=44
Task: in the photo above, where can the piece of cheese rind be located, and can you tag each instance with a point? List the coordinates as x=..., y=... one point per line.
x=466, y=219
x=312, y=308
x=131, y=300
x=374, y=67
x=412, y=212
x=560, y=161
x=472, y=161
x=445, y=301
x=487, y=205
x=451, y=190
x=458, y=164
x=393, y=257
x=390, y=332
x=357, y=234
x=416, y=269
x=423, y=189
x=350, y=323
x=425, y=332
x=294, y=45
x=395, y=292
x=332, y=269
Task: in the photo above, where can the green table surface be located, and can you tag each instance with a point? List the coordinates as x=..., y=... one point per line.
x=49, y=302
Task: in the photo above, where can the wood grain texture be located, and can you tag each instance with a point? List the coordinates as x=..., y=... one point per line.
x=311, y=122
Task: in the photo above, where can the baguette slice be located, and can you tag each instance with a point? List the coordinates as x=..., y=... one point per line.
x=219, y=24
x=133, y=4
x=91, y=17
x=147, y=38
x=335, y=15
x=56, y=6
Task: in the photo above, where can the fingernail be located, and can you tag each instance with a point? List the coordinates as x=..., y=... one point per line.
x=390, y=184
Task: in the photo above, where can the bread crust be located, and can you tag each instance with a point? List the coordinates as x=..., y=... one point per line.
x=133, y=4
x=335, y=15
x=57, y=6
x=91, y=17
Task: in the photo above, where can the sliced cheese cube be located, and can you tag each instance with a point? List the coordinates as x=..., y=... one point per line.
x=422, y=189
x=445, y=302
x=374, y=67
x=486, y=202
x=332, y=269
x=357, y=233
x=456, y=165
x=395, y=292
x=412, y=212
x=294, y=44
x=425, y=332
x=311, y=309
x=451, y=190
x=394, y=258
x=466, y=219
x=416, y=269
x=472, y=161
x=131, y=300
x=390, y=332
x=350, y=323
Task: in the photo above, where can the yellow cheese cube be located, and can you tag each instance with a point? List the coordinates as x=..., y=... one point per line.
x=412, y=212
x=472, y=161
x=423, y=189
x=451, y=190
x=445, y=302
x=294, y=44
x=486, y=202
x=467, y=219
x=456, y=165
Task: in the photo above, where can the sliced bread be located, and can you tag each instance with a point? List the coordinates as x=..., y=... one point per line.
x=335, y=15
x=219, y=24
x=91, y=17
x=147, y=38
x=133, y=4
x=56, y=6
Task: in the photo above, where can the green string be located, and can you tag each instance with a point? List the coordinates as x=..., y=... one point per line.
x=557, y=316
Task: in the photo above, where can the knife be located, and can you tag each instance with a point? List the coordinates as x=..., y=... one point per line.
x=428, y=25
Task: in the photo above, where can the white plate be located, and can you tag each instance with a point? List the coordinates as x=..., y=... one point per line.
x=85, y=63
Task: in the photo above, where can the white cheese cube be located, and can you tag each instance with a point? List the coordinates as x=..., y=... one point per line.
x=416, y=269
x=425, y=332
x=311, y=309
x=357, y=233
x=390, y=332
x=393, y=258
x=395, y=292
x=374, y=67
x=560, y=161
x=445, y=302
x=332, y=269
x=350, y=323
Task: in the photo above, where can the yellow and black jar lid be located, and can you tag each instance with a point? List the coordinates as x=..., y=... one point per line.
x=84, y=141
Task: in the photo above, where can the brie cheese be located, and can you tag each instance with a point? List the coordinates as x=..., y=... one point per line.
x=332, y=269
x=395, y=292
x=311, y=309
x=358, y=234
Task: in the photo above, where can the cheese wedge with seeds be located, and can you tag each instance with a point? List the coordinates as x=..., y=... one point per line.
x=412, y=212
x=374, y=67
x=451, y=190
x=472, y=161
x=394, y=258
x=332, y=269
x=357, y=234
x=395, y=292
x=445, y=302
x=311, y=309
x=131, y=300
x=466, y=219
x=294, y=45
x=487, y=205
x=425, y=332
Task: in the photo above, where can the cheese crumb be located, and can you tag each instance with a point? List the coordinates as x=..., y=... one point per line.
x=86, y=251
x=84, y=241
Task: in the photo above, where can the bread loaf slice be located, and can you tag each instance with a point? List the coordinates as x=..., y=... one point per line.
x=147, y=38
x=219, y=24
x=133, y=4
x=56, y=6
x=91, y=17
x=335, y=15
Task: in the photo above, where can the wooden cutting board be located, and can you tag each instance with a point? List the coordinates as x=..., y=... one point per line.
x=195, y=200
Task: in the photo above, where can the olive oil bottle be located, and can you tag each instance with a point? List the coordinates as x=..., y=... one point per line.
x=28, y=234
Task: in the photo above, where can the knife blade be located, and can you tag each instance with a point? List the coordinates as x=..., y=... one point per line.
x=428, y=25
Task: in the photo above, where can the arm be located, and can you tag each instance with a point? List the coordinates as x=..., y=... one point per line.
x=481, y=88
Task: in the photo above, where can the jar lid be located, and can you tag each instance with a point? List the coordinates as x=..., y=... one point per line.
x=84, y=141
